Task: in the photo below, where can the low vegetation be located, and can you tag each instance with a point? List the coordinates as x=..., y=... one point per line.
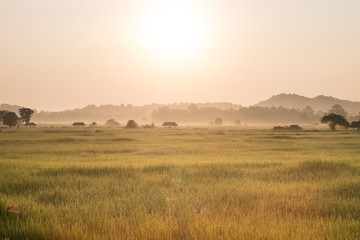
x=288, y=128
x=178, y=183
x=131, y=124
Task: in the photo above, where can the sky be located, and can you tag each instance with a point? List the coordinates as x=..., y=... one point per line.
x=65, y=54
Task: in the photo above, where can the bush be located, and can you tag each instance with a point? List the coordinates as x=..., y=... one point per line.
x=112, y=123
x=218, y=121
x=149, y=125
x=131, y=124
x=295, y=127
x=291, y=128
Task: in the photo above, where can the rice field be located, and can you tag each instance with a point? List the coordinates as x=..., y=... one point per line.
x=179, y=183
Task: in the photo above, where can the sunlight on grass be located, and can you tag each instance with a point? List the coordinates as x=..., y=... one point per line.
x=179, y=184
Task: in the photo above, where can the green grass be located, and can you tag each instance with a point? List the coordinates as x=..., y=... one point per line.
x=189, y=183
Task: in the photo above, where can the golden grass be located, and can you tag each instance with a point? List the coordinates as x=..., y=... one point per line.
x=216, y=183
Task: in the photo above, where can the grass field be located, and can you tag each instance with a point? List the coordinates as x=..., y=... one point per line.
x=190, y=183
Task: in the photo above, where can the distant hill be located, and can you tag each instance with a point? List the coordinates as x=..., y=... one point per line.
x=11, y=108
x=122, y=113
x=319, y=103
x=279, y=109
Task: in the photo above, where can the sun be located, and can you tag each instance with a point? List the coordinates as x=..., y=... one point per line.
x=172, y=30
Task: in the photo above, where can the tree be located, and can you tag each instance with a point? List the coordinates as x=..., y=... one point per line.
x=149, y=125
x=355, y=124
x=131, y=124
x=339, y=110
x=237, y=122
x=333, y=119
x=78, y=124
x=2, y=113
x=25, y=115
x=193, y=108
x=112, y=123
x=218, y=121
x=308, y=111
x=10, y=119
x=169, y=124
x=292, y=127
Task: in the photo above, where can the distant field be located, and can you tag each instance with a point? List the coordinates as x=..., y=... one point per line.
x=183, y=183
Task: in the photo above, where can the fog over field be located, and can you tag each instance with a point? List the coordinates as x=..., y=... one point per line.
x=179, y=119
x=279, y=109
x=58, y=55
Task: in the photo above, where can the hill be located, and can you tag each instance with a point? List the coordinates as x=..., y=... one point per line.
x=319, y=103
x=122, y=113
x=9, y=107
x=279, y=109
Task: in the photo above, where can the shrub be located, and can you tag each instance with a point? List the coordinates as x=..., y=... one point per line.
x=218, y=121
x=112, y=123
x=292, y=127
x=149, y=125
x=237, y=122
x=131, y=124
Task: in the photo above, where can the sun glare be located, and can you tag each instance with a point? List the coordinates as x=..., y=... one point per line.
x=172, y=31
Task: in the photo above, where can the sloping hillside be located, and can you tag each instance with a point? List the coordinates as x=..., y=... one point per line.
x=9, y=107
x=319, y=103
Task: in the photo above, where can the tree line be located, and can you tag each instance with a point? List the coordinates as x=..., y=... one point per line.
x=253, y=114
x=11, y=119
x=194, y=114
x=250, y=115
x=334, y=120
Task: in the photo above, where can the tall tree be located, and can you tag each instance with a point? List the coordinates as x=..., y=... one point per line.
x=339, y=110
x=10, y=119
x=334, y=119
x=26, y=114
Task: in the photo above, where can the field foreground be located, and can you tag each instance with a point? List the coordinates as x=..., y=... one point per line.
x=191, y=183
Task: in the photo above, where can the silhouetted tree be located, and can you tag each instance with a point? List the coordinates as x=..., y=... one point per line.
x=131, y=124
x=2, y=113
x=93, y=124
x=355, y=124
x=218, y=121
x=25, y=115
x=308, y=110
x=78, y=124
x=339, y=110
x=292, y=127
x=237, y=122
x=112, y=123
x=333, y=119
x=193, y=107
x=10, y=119
x=169, y=124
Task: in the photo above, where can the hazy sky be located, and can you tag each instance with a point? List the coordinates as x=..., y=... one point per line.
x=61, y=54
